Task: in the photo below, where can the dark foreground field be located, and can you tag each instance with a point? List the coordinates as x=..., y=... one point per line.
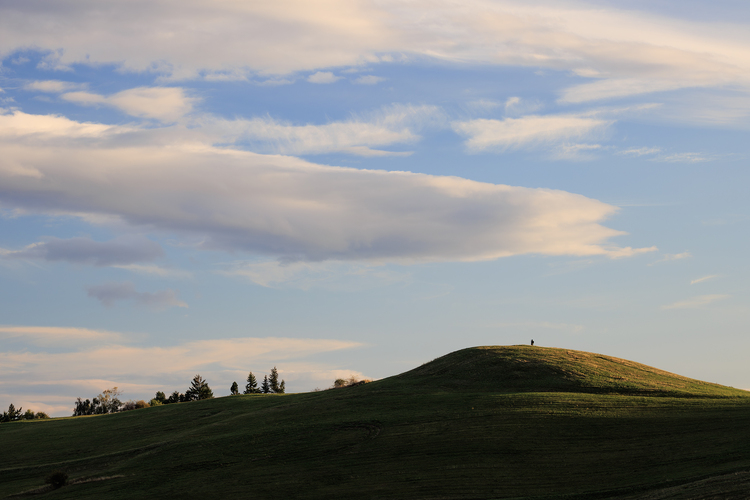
x=495, y=422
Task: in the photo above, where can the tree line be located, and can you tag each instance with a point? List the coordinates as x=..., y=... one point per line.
x=12, y=414
x=109, y=400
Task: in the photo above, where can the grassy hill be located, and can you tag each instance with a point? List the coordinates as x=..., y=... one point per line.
x=480, y=423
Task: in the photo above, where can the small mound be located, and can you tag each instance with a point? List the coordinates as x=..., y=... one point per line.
x=543, y=369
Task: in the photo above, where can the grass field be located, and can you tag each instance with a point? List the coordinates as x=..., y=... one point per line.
x=490, y=422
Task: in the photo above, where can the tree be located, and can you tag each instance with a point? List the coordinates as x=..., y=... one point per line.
x=252, y=385
x=29, y=415
x=265, y=387
x=274, y=381
x=40, y=415
x=160, y=397
x=12, y=414
x=235, y=389
x=198, y=390
x=175, y=397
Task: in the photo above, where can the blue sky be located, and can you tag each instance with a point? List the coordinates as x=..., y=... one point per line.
x=346, y=188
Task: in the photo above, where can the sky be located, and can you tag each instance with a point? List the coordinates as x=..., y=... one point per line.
x=353, y=188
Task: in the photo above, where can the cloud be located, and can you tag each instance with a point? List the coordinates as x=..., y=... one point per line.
x=529, y=131
x=639, y=151
x=704, y=278
x=323, y=77
x=627, y=52
x=166, y=104
x=673, y=256
x=396, y=124
x=120, y=251
x=30, y=377
x=323, y=275
x=682, y=158
x=286, y=207
x=53, y=86
x=369, y=80
x=52, y=335
x=700, y=301
x=109, y=293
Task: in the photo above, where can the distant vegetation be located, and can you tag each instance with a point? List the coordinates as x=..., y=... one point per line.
x=12, y=414
x=108, y=401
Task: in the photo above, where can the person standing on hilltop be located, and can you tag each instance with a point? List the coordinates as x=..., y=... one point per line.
x=532, y=341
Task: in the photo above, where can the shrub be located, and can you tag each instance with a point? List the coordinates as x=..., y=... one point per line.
x=57, y=479
x=141, y=404
x=41, y=415
x=155, y=402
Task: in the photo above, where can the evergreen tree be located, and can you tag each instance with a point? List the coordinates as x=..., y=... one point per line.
x=160, y=397
x=198, y=390
x=274, y=381
x=265, y=387
x=252, y=385
x=282, y=387
x=175, y=397
x=234, y=389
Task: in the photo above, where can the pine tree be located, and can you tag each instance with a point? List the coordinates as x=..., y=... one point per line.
x=265, y=387
x=252, y=384
x=274, y=381
x=235, y=389
x=198, y=390
x=282, y=387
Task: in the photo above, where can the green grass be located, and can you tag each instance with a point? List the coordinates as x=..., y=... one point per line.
x=495, y=422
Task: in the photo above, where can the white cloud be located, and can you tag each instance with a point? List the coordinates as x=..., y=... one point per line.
x=629, y=52
x=396, y=124
x=166, y=104
x=290, y=208
x=668, y=257
x=369, y=80
x=682, y=158
x=528, y=131
x=704, y=278
x=639, y=151
x=53, y=86
x=52, y=335
x=102, y=362
x=109, y=293
x=120, y=251
x=700, y=301
x=323, y=77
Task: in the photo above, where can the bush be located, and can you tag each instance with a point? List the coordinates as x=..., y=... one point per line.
x=57, y=479
x=41, y=415
x=349, y=382
x=155, y=402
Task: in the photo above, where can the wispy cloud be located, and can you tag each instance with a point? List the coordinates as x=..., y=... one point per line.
x=51, y=335
x=668, y=257
x=639, y=151
x=682, y=158
x=166, y=104
x=369, y=80
x=120, y=251
x=529, y=131
x=109, y=293
x=323, y=77
x=700, y=301
x=704, y=278
x=53, y=86
x=396, y=124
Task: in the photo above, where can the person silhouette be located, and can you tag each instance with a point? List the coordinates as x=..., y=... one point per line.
x=532, y=341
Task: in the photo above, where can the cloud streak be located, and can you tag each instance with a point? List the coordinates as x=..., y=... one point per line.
x=118, y=252
x=528, y=131
x=167, y=104
x=109, y=293
x=696, y=302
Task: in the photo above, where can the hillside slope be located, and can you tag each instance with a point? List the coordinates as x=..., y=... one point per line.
x=446, y=430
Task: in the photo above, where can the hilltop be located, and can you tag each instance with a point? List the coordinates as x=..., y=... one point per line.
x=526, y=368
x=480, y=423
